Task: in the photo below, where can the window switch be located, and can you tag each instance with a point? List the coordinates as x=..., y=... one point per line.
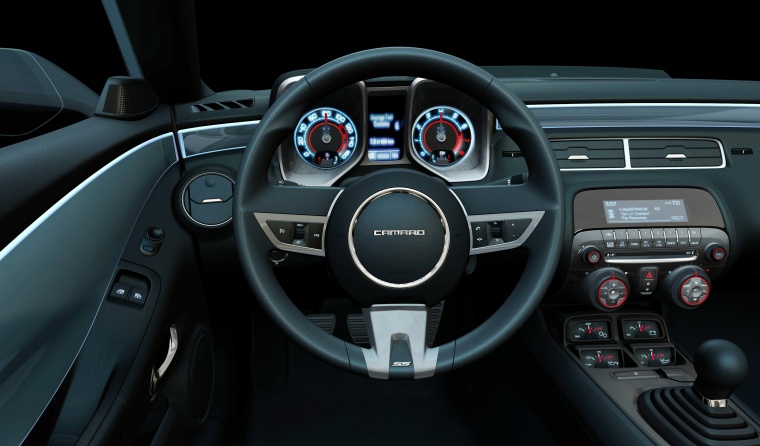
x=138, y=296
x=120, y=291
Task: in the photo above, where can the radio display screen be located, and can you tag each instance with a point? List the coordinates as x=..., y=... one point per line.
x=645, y=211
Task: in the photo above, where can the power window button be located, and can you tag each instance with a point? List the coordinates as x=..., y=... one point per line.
x=119, y=291
x=137, y=296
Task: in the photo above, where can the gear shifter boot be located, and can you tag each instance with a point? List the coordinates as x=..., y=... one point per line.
x=700, y=414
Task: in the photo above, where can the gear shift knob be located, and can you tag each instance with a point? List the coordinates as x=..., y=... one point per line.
x=721, y=367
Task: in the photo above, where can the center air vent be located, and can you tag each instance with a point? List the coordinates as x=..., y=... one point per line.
x=222, y=105
x=655, y=153
x=589, y=154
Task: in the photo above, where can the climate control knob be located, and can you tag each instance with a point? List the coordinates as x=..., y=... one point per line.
x=607, y=289
x=687, y=286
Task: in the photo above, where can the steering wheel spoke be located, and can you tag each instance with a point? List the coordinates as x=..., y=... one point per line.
x=398, y=338
x=501, y=217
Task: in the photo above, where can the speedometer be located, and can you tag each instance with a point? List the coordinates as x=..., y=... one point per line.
x=442, y=135
x=325, y=137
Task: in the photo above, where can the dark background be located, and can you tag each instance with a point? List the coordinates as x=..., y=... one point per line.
x=245, y=46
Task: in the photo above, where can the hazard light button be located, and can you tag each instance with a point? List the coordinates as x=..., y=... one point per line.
x=647, y=280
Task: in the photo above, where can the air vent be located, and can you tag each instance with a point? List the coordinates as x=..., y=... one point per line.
x=654, y=153
x=222, y=105
x=589, y=154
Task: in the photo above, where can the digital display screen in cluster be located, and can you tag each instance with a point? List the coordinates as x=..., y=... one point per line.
x=385, y=136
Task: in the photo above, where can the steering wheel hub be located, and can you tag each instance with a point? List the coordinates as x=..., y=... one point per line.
x=399, y=238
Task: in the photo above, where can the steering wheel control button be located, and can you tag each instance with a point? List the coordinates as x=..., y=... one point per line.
x=407, y=230
x=479, y=238
x=600, y=358
x=316, y=235
x=590, y=331
x=283, y=230
x=120, y=291
x=207, y=199
x=516, y=228
x=138, y=296
x=634, y=329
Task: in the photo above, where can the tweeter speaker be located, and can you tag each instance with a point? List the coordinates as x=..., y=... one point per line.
x=126, y=98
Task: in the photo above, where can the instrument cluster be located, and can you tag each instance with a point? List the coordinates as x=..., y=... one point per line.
x=423, y=123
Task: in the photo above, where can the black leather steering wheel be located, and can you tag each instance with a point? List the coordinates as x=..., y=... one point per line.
x=398, y=240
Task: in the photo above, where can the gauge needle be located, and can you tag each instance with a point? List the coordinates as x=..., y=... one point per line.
x=652, y=356
x=326, y=131
x=599, y=356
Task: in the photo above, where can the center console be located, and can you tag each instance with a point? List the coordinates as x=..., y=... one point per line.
x=635, y=252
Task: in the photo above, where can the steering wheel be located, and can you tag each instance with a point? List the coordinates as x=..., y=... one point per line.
x=398, y=240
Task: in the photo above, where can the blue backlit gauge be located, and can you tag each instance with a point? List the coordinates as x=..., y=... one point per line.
x=325, y=137
x=442, y=135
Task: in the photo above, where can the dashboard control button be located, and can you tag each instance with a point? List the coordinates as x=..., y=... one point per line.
x=634, y=239
x=695, y=236
x=683, y=237
x=634, y=374
x=647, y=280
x=658, y=238
x=715, y=252
x=646, y=238
x=621, y=238
x=671, y=238
x=612, y=293
x=591, y=255
x=687, y=286
x=608, y=236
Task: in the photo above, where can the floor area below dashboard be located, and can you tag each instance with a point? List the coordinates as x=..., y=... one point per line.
x=299, y=400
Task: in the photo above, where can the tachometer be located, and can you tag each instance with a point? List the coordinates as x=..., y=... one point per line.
x=442, y=135
x=325, y=137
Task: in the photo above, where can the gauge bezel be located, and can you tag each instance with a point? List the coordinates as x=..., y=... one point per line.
x=305, y=127
x=352, y=101
x=475, y=165
x=427, y=122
